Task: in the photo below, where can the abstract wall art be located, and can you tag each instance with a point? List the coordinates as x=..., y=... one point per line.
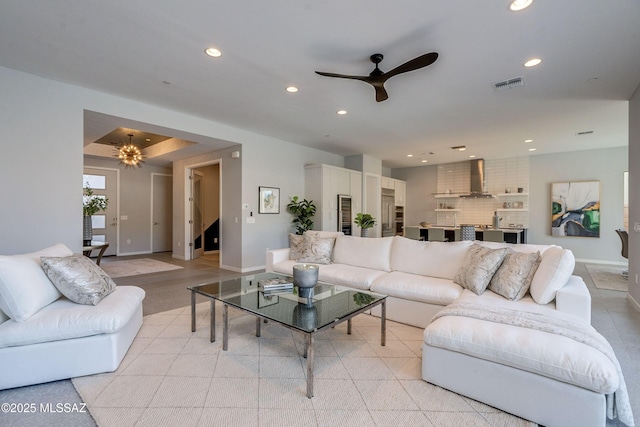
x=575, y=209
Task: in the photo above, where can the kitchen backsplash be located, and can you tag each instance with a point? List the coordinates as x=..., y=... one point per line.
x=502, y=176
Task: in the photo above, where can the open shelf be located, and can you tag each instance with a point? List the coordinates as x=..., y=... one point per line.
x=511, y=194
x=446, y=196
x=447, y=210
x=512, y=210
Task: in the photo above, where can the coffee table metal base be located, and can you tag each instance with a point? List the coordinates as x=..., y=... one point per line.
x=309, y=339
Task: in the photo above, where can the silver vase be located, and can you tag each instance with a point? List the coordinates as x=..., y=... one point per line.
x=305, y=277
x=364, y=232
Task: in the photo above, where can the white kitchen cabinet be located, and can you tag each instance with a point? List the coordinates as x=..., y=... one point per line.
x=323, y=183
x=400, y=188
x=386, y=182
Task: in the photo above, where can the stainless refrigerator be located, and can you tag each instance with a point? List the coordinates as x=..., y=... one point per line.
x=388, y=213
x=344, y=214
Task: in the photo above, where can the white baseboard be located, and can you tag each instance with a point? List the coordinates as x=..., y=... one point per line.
x=599, y=261
x=134, y=253
x=633, y=302
x=177, y=256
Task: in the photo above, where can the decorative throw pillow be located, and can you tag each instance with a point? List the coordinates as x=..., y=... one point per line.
x=299, y=244
x=24, y=288
x=478, y=267
x=319, y=252
x=311, y=248
x=78, y=278
x=553, y=273
x=513, y=278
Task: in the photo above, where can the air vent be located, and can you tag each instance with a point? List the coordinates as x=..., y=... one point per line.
x=508, y=84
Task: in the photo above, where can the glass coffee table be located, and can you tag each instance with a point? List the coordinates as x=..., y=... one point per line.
x=330, y=306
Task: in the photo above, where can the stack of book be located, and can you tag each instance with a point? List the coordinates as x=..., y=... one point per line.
x=272, y=286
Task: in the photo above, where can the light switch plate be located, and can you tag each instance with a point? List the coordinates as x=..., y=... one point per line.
x=636, y=227
x=251, y=220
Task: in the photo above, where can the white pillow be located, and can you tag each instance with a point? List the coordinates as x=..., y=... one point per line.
x=78, y=278
x=554, y=271
x=433, y=259
x=366, y=252
x=24, y=288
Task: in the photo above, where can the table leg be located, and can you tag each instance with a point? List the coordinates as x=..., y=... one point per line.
x=257, y=326
x=193, y=311
x=383, y=324
x=225, y=329
x=349, y=326
x=212, y=326
x=309, y=365
x=102, y=250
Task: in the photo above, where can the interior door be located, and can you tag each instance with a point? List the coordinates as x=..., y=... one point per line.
x=197, y=217
x=162, y=215
x=104, y=183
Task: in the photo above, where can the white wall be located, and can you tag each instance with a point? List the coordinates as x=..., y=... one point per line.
x=634, y=195
x=607, y=166
x=41, y=166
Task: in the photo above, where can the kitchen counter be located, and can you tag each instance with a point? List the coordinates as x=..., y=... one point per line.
x=511, y=234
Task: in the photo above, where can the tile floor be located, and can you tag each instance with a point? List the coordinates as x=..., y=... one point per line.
x=172, y=376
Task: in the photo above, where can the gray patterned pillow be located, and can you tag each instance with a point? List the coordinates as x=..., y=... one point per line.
x=311, y=248
x=78, y=278
x=319, y=252
x=513, y=278
x=478, y=268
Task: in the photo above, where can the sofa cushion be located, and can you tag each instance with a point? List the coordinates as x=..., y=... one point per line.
x=348, y=275
x=311, y=248
x=554, y=271
x=513, y=278
x=478, y=267
x=78, y=278
x=543, y=353
x=65, y=319
x=432, y=290
x=434, y=259
x=24, y=288
x=363, y=252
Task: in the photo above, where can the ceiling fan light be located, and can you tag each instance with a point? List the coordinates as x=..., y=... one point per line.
x=532, y=62
x=213, y=52
x=517, y=5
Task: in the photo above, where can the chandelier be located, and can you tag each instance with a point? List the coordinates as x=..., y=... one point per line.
x=130, y=155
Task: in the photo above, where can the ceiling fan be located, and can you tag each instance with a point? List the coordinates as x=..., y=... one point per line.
x=377, y=77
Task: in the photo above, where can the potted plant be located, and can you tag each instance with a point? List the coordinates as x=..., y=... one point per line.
x=304, y=210
x=91, y=204
x=365, y=222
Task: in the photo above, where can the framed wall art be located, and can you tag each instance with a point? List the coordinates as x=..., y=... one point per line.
x=269, y=200
x=575, y=209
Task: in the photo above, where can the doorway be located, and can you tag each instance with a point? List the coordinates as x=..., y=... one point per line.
x=104, y=183
x=204, y=185
x=161, y=212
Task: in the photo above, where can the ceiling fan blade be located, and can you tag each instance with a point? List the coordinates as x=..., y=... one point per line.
x=344, y=76
x=381, y=93
x=414, y=64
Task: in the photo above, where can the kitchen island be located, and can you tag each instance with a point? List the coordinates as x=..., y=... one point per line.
x=511, y=234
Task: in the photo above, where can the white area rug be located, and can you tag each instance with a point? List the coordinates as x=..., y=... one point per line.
x=171, y=376
x=608, y=277
x=134, y=267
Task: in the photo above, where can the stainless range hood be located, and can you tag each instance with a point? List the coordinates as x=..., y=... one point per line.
x=477, y=183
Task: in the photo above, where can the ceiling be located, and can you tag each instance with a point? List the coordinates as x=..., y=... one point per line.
x=590, y=52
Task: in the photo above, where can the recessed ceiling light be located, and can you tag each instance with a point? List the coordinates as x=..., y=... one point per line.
x=212, y=51
x=517, y=5
x=528, y=140
x=292, y=89
x=472, y=156
x=409, y=155
x=532, y=62
x=342, y=112
x=532, y=149
x=424, y=161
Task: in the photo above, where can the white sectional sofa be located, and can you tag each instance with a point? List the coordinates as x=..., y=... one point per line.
x=46, y=337
x=540, y=375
